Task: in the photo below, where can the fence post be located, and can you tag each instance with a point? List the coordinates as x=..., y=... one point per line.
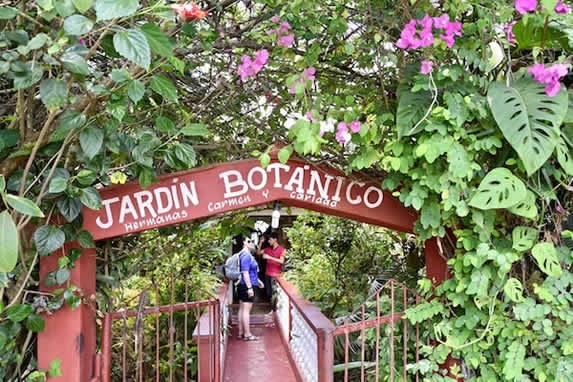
x=325, y=350
x=106, y=349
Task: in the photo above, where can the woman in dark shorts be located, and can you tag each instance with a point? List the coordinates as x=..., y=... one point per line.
x=249, y=279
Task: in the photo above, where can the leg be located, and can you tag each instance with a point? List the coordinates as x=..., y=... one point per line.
x=247, y=318
x=268, y=287
x=241, y=327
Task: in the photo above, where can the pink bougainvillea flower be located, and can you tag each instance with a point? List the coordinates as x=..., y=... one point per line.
x=284, y=27
x=276, y=18
x=249, y=67
x=412, y=38
x=355, y=126
x=550, y=76
x=508, y=29
x=309, y=115
x=426, y=67
x=525, y=6
x=286, y=40
x=342, y=134
x=309, y=73
x=561, y=7
x=188, y=11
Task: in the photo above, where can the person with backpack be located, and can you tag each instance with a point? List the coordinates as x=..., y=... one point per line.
x=245, y=289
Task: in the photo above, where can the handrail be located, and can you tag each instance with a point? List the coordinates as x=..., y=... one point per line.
x=322, y=342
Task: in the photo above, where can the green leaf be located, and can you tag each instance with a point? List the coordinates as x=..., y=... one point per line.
x=564, y=157
x=513, y=290
x=64, y=7
x=24, y=206
x=547, y=258
x=569, y=116
x=165, y=125
x=285, y=153
x=195, y=130
x=524, y=238
x=265, y=159
x=133, y=45
x=7, y=13
x=135, y=90
x=48, y=238
x=2, y=184
x=90, y=198
x=70, y=120
x=498, y=189
x=54, y=93
x=75, y=63
x=514, y=359
x=411, y=109
x=111, y=9
x=58, y=185
x=528, y=118
x=9, y=240
x=164, y=87
x=85, y=239
x=27, y=74
x=159, y=43
x=55, y=369
x=35, y=323
x=479, y=282
x=83, y=5
x=91, y=141
x=70, y=208
x=86, y=177
x=18, y=312
x=62, y=275
x=526, y=208
x=78, y=25
x=146, y=177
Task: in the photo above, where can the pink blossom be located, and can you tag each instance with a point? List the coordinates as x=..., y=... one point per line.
x=284, y=27
x=525, y=6
x=426, y=67
x=411, y=38
x=276, y=18
x=508, y=29
x=561, y=7
x=309, y=73
x=286, y=40
x=355, y=126
x=249, y=67
x=309, y=115
x=342, y=134
x=550, y=76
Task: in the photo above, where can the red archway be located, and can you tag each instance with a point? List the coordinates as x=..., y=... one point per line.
x=70, y=335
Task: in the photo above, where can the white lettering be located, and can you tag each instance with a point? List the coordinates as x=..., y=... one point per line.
x=163, y=208
x=107, y=204
x=349, y=197
x=238, y=182
x=145, y=204
x=276, y=167
x=340, y=182
x=189, y=195
x=378, y=200
x=316, y=181
x=297, y=178
x=250, y=177
x=127, y=207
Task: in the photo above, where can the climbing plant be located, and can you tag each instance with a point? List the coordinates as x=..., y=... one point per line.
x=463, y=107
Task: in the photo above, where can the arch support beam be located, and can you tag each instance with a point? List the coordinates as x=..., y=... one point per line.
x=70, y=334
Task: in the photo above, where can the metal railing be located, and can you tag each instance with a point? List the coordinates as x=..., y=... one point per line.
x=171, y=354
x=307, y=332
x=377, y=342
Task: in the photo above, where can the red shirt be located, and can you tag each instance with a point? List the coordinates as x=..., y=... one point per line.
x=273, y=268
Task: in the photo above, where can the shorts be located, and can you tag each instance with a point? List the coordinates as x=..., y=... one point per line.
x=243, y=293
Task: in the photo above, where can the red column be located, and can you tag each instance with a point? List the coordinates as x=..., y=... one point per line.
x=436, y=263
x=70, y=335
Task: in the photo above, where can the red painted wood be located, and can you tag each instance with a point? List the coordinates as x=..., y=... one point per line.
x=262, y=360
x=70, y=335
x=436, y=263
x=236, y=185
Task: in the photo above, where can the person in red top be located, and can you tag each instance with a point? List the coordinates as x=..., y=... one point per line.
x=275, y=256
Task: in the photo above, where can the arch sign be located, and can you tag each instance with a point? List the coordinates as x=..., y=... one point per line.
x=194, y=194
x=70, y=335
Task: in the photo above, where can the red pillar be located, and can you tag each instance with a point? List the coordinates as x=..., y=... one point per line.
x=70, y=335
x=436, y=262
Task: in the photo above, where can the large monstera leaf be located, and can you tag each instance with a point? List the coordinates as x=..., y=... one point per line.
x=528, y=118
x=499, y=189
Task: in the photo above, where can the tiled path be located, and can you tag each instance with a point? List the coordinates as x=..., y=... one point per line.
x=263, y=360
